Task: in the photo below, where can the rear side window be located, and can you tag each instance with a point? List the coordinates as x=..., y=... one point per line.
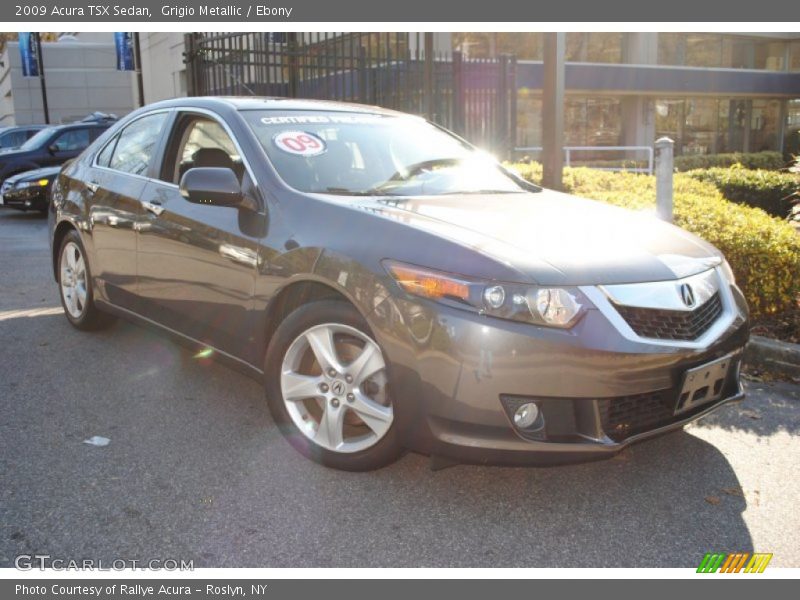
x=136, y=144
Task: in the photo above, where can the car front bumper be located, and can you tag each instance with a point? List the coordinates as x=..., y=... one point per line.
x=457, y=377
x=26, y=199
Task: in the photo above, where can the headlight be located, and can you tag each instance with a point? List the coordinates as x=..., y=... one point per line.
x=549, y=306
x=28, y=184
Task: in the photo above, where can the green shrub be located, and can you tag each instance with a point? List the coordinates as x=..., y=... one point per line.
x=771, y=191
x=771, y=161
x=763, y=252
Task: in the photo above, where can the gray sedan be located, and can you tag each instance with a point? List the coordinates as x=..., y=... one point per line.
x=393, y=287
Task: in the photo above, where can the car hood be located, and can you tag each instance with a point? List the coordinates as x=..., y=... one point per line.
x=557, y=239
x=43, y=173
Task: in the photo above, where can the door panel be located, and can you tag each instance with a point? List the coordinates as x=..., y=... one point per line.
x=114, y=213
x=115, y=187
x=196, y=268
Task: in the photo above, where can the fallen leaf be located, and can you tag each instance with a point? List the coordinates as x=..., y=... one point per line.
x=751, y=414
x=733, y=491
x=713, y=500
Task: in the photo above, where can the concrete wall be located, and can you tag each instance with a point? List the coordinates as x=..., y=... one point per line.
x=163, y=71
x=81, y=77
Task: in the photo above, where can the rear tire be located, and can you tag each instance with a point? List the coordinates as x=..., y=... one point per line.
x=327, y=388
x=75, y=286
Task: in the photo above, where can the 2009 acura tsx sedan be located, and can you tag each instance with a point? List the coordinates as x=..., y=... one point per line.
x=393, y=287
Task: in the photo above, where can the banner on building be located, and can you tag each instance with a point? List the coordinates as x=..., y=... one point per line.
x=123, y=40
x=28, y=54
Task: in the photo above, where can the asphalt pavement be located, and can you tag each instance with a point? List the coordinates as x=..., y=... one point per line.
x=195, y=469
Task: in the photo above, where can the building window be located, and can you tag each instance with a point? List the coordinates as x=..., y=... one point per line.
x=700, y=130
x=704, y=50
x=794, y=56
x=691, y=50
x=714, y=51
x=731, y=125
x=592, y=122
x=717, y=125
x=765, y=118
x=525, y=46
x=770, y=56
x=594, y=47
x=791, y=142
x=529, y=118
x=669, y=120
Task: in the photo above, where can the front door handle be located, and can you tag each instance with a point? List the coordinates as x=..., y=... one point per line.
x=92, y=186
x=154, y=206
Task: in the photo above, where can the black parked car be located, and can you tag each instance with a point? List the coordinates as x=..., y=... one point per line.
x=29, y=190
x=51, y=146
x=13, y=137
x=392, y=287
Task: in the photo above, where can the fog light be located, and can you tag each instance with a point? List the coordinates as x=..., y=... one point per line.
x=526, y=415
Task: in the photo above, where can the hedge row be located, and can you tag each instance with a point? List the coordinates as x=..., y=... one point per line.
x=763, y=252
x=771, y=191
x=771, y=161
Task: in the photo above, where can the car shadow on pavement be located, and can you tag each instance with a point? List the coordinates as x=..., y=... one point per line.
x=769, y=408
x=196, y=469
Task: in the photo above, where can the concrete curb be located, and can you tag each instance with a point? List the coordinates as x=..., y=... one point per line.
x=773, y=356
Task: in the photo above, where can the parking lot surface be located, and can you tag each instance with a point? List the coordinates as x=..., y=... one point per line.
x=196, y=470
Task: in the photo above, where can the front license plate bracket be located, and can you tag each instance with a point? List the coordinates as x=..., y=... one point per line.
x=704, y=384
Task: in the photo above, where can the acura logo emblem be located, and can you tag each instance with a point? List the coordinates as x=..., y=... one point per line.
x=687, y=294
x=338, y=387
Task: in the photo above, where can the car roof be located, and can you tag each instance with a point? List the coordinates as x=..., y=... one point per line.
x=271, y=103
x=79, y=125
x=22, y=127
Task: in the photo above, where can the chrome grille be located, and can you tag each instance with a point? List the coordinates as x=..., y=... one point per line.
x=672, y=324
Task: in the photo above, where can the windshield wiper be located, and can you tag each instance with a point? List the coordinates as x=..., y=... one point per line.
x=487, y=191
x=339, y=191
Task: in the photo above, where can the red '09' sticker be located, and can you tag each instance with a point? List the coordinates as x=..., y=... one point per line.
x=300, y=143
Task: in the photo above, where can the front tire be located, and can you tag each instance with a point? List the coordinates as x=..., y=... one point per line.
x=327, y=388
x=75, y=286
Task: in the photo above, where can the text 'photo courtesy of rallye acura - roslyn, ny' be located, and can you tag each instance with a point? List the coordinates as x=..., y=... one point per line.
x=393, y=287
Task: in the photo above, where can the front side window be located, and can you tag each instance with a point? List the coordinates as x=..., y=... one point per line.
x=136, y=144
x=201, y=142
x=74, y=139
x=372, y=154
x=40, y=139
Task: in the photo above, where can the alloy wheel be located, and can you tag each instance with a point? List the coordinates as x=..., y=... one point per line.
x=73, y=280
x=334, y=387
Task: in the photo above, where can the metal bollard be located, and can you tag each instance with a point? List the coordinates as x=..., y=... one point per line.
x=664, y=169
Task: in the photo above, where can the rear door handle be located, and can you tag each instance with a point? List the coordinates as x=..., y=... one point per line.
x=153, y=206
x=92, y=186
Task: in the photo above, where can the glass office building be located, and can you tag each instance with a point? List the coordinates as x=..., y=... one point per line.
x=710, y=92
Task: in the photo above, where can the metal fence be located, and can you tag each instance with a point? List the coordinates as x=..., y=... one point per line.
x=475, y=98
x=632, y=165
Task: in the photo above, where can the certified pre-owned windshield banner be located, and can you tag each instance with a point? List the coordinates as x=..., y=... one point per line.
x=514, y=11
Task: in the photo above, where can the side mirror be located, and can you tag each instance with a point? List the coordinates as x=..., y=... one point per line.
x=217, y=186
x=54, y=149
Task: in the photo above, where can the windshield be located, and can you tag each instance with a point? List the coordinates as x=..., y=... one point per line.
x=369, y=154
x=37, y=140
